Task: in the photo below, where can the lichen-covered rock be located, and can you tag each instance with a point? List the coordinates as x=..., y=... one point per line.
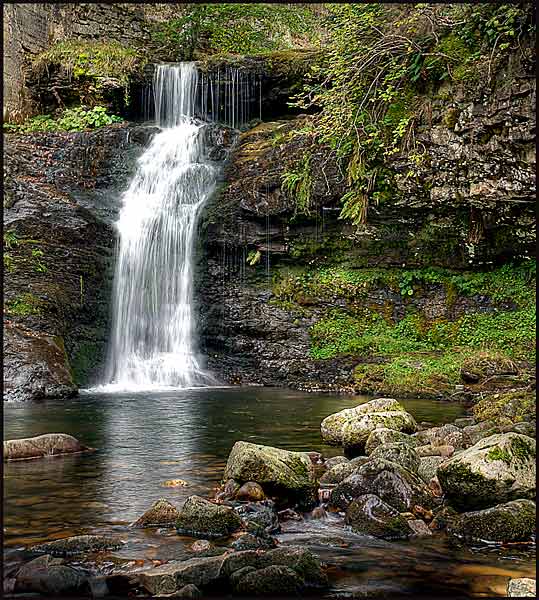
x=49, y=444
x=382, y=436
x=400, y=453
x=47, y=575
x=162, y=512
x=78, y=544
x=419, y=527
x=343, y=427
x=428, y=466
x=198, y=517
x=248, y=541
x=259, y=516
x=523, y=587
x=477, y=432
x=391, y=482
x=510, y=522
x=370, y=515
x=495, y=470
x=279, y=472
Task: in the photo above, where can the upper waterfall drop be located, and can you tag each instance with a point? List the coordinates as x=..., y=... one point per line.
x=152, y=343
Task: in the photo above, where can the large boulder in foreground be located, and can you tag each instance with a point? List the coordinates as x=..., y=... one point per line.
x=50, y=576
x=392, y=483
x=370, y=515
x=199, y=517
x=497, y=469
x=510, y=522
x=351, y=427
x=279, y=472
x=49, y=444
x=302, y=571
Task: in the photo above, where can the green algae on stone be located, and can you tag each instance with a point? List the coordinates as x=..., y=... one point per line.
x=496, y=469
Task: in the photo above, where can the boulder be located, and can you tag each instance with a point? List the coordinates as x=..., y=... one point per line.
x=446, y=435
x=484, y=429
x=339, y=472
x=428, y=466
x=259, y=516
x=370, y=515
x=49, y=444
x=400, y=453
x=276, y=580
x=332, y=427
x=198, y=517
x=522, y=587
x=162, y=512
x=510, y=522
x=495, y=470
x=250, y=492
x=48, y=575
x=173, y=576
x=392, y=483
x=283, y=473
x=382, y=436
x=78, y=544
x=419, y=528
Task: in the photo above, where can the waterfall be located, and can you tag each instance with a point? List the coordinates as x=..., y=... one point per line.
x=152, y=343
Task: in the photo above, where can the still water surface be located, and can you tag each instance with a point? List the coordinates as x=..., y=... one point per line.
x=142, y=440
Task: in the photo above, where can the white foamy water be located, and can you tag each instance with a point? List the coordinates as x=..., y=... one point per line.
x=153, y=345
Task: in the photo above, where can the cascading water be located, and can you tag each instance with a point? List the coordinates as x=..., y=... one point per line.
x=152, y=342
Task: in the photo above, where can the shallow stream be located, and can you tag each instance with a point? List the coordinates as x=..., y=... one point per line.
x=143, y=440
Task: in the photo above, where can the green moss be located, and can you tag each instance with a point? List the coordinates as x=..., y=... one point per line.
x=522, y=450
x=25, y=305
x=510, y=405
x=498, y=453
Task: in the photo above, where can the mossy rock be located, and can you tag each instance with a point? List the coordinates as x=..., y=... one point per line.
x=370, y=515
x=351, y=427
x=280, y=472
x=383, y=436
x=510, y=522
x=495, y=470
x=198, y=517
x=400, y=453
x=515, y=406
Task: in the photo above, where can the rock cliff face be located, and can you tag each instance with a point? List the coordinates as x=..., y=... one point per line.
x=467, y=202
x=61, y=195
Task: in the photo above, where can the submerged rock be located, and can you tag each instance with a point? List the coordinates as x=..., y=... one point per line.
x=199, y=517
x=49, y=444
x=400, y=453
x=383, y=436
x=392, y=483
x=351, y=427
x=162, y=512
x=371, y=515
x=497, y=469
x=283, y=473
x=48, y=575
x=78, y=544
x=522, y=587
x=510, y=522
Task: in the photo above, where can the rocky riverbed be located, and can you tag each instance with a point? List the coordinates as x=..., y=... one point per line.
x=471, y=482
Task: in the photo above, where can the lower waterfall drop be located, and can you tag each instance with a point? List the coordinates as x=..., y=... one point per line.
x=152, y=343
